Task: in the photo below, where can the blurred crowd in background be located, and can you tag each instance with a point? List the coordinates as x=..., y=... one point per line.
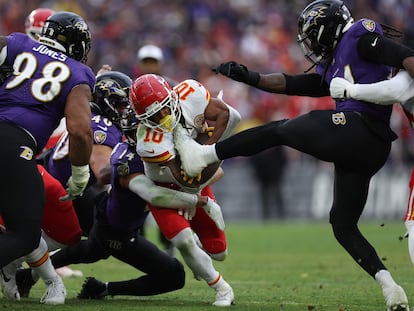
x=196, y=35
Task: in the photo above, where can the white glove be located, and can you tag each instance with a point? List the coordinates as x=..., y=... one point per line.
x=188, y=213
x=341, y=88
x=214, y=211
x=77, y=182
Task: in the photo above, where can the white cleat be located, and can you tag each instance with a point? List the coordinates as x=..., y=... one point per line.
x=396, y=299
x=213, y=210
x=191, y=152
x=55, y=293
x=224, y=296
x=8, y=281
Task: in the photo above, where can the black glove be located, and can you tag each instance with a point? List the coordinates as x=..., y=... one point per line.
x=238, y=72
x=5, y=72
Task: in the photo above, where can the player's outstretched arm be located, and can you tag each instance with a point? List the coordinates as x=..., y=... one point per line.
x=398, y=89
x=169, y=198
x=78, y=125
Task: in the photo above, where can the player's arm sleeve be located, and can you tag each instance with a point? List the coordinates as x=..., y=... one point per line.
x=398, y=89
x=373, y=47
x=306, y=85
x=161, y=196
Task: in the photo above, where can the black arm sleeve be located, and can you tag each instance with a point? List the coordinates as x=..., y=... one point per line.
x=306, y=85
x=375, y=48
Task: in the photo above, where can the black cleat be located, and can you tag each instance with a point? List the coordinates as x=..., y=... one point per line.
x=93, y=289
x=24, y=281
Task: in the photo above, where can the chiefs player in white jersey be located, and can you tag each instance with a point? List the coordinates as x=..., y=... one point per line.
x=160, y=108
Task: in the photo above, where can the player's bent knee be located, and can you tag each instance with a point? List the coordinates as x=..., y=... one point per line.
x=342, y=232
x=219, y=256
x=216, y=248
x=177, y=277
x=184, y=240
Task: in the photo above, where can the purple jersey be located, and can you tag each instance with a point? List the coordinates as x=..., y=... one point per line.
x=104, y=132
x=349, y=65
x=34, y=96
x=125, y=210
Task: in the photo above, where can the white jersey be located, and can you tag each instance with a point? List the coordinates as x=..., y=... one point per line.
x=194, y=98
x=156, y=148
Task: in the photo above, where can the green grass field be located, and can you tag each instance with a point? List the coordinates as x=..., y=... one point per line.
x=274, y=266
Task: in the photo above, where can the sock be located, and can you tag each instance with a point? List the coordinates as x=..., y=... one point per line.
x=217, y=282
x=40, y=263
x=385, y=279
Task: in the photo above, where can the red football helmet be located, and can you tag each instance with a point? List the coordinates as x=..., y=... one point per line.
x=150, y=93
x=35, y=20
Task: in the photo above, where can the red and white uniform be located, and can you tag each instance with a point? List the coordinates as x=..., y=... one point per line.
x=409, y=214
x=156, y=148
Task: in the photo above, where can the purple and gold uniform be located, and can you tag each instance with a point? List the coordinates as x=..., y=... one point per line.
x=124, y=209
x=349, y=64
x=115, y=232
x=104, y=132
x=32, y=103
x=31, y=97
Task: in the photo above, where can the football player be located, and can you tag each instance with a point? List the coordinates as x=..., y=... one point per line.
x=60, y=228
x=35, y=21
x=28, y=115
x=121, y=215
x=355, y=137
x=160, y=108
x=109, y=99
x=151, y=60
x=399, y=89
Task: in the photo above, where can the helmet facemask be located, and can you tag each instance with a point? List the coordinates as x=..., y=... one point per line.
x=129, y=124
x=151, y=95
x=67, y=32
x=320, y=27
x=169, y=121
x=111, y=95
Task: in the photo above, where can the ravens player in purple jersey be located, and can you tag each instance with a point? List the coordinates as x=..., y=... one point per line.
x=50, y=80
x=355, y=137
x=109, y=99
x=121, y=215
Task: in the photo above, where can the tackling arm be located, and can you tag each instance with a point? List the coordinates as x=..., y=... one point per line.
x=161, y=196
x=301, y=85
x=398, y=89
x=169, y=198
x=78, y=125
x=99, y=161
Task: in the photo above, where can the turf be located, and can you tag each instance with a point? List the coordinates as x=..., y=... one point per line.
x=273, y=266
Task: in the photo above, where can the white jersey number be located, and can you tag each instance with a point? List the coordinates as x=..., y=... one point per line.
x=45, y=88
